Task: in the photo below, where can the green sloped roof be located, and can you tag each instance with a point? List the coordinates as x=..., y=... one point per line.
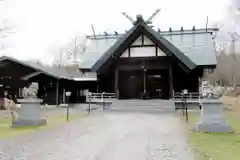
x=196, y=45
x=55, y=72
x=96, y=48
x=173, y=49
x=109, y=52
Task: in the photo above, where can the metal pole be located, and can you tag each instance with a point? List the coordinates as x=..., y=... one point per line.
x=68, y=94
x=67, y=112
x=103, y=104
x=144, y=83
x=89, y=103
x=102, y=100
x=186, y=110
x=183, y=104
x=184, y=100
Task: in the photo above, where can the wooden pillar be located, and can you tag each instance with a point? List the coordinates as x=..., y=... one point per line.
x=64, y=94
x=170, y=83
x=97, y=87
x=19, y=92
x=116, y=84
x=97, y=83
x=144, y=82
x=199, y=83
x=57, y=92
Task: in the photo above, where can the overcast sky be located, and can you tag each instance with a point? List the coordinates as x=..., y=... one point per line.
x=41, y=26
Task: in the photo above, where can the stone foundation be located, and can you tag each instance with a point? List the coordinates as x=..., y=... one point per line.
x=212, y=118
x=26, y=122
x=30, y=113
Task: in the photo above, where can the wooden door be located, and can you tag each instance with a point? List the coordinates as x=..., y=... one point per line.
x=157, y=84
x=130, y=84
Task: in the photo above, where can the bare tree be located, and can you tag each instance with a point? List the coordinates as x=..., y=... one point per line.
x=226, y=71
x=70, y=55
x=5, y=30
x=36, y=61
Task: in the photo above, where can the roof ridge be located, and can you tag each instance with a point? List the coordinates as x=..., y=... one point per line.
x=172, y=32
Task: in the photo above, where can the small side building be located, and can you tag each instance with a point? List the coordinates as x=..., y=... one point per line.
x=53, y=82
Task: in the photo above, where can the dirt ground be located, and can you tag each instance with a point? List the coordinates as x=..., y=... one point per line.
x=105, y=136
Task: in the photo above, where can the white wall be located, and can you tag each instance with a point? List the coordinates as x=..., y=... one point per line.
x=138, y=41
x=125, y=53
x=142, y=51
x=147, y=41
x=161, y=53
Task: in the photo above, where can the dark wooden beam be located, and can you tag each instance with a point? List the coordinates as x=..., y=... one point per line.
x=97, y=85
x=159, y=58
x=138, y=46
x=183, y=67
x=207, y=66
x=64, y=96
x=98, y=81
x=116, y=83
x=149, y=65
x=142, y=39
x=170, y=83
x=156, y=50
x=129, y=52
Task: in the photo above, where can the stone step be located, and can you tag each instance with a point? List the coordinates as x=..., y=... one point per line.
x=141, y=109
x=143, y=105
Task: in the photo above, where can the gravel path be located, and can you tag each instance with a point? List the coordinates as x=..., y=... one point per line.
x=105, y=136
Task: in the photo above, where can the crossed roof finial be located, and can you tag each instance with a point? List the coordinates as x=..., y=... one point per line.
x=139, y=18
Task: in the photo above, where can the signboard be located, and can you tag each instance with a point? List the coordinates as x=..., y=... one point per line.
x=68, y=94
x=185, y=91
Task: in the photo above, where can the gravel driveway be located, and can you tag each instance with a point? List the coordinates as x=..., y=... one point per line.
x=105, y=136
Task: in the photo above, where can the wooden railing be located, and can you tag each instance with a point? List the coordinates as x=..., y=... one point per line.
x=184, y=100
x=99, y=96
x=189, y=96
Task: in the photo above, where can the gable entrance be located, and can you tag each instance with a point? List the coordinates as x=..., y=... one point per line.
x=143, y=70
x=145, y=77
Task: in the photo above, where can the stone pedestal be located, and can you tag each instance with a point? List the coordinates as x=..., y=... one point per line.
x=212, y=118
x=30, y=113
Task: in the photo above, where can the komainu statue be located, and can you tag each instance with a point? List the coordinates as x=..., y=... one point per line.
x=31, y=91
